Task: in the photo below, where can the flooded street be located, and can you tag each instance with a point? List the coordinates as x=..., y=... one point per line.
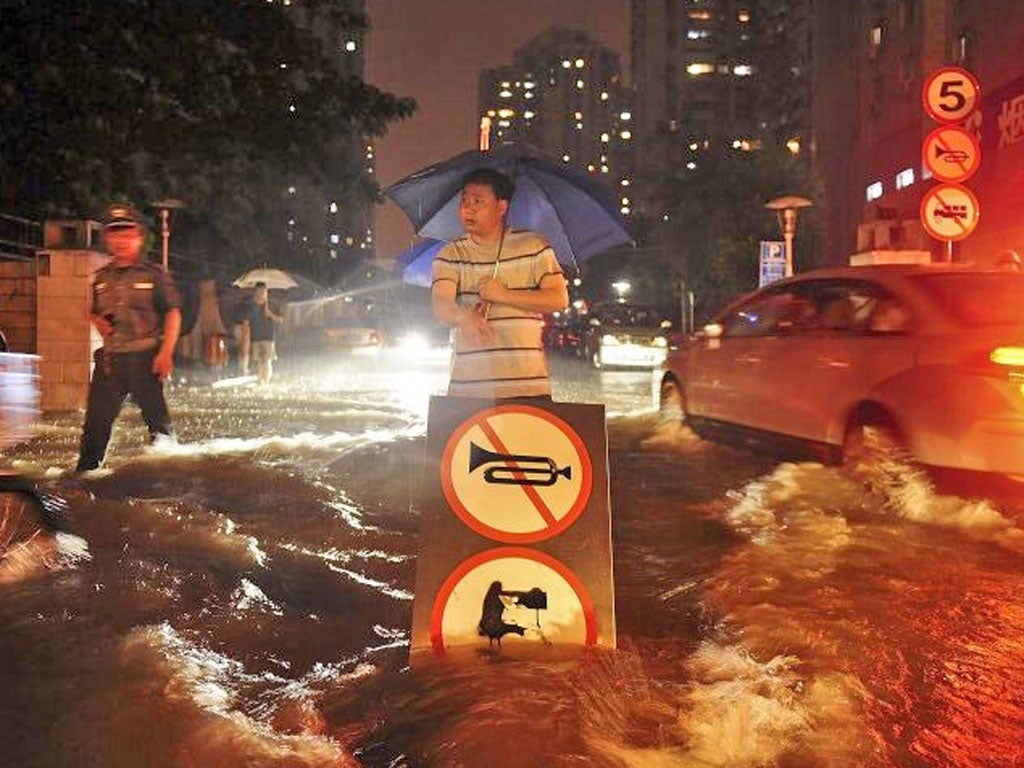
x=246, y=600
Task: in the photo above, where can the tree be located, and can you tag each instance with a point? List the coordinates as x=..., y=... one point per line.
x=217, y=102
x=716, y=218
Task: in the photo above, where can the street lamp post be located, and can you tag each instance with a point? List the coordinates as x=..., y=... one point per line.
x=165, y=207
x=786, y=208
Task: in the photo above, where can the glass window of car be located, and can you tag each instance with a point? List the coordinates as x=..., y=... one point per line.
x=978, y=298
x=777, y=311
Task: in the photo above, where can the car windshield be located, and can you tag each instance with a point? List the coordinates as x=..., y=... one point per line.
x=983, y=298
x=635, y=317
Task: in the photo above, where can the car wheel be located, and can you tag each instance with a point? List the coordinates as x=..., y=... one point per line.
x=672, y=402
x=867, y=440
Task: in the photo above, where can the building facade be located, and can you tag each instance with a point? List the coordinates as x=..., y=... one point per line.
x=872, y=62
x=563, y=93
x=719, y=75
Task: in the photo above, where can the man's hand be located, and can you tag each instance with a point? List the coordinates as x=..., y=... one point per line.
x=163, y=364
x=491, y=289
x=474, y=328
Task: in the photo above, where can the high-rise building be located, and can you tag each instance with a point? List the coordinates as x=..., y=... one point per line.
x=330, y=215
x=872, y=61
x=564, y=94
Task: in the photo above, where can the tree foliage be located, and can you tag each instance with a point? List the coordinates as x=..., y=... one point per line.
x=218, y=102
x=716, y=219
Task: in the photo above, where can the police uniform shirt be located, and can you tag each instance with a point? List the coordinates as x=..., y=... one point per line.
x=134, y=299
x=514, y=364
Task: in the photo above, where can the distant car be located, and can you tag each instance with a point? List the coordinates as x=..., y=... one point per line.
x=354, y=334
x=625, y=336
x=931, y=356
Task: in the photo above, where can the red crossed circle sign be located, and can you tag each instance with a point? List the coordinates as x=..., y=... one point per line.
x=951, y=153
x=516, y=474
x=949, y=212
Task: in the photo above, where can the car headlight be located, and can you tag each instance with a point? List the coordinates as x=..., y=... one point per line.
x=609, y=340
x=659, y=341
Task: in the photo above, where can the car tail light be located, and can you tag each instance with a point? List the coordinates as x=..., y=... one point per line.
x=1008, y=356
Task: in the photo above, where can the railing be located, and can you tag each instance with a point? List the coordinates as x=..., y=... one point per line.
x=19, y=238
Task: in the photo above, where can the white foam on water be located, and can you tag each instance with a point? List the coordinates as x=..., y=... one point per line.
x=205, y=684
x=909, y=494
x=247, y=596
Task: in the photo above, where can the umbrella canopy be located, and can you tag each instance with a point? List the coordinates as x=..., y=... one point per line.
x=417, y=262
x=274, y=278
x=577, y=212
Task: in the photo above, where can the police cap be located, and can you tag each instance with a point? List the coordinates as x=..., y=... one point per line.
x=119, y=216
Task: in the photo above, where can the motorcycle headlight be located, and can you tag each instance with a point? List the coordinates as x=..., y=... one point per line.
x=609, y=340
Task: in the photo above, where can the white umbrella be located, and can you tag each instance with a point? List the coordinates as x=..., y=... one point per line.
x=273, y=278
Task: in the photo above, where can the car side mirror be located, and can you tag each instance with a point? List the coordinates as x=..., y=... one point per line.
x=712, y=331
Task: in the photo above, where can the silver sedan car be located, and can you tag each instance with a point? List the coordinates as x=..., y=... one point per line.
x=930, y=355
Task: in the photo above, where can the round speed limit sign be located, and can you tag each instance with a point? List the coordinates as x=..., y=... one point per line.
x=950, y=94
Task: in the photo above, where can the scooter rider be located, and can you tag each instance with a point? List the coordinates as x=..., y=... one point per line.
x=137, y=310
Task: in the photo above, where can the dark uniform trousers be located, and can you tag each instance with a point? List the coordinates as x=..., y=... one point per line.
x=116, y=376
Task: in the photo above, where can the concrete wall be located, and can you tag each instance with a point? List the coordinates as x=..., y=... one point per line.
x=65, y=339
x=18, y=304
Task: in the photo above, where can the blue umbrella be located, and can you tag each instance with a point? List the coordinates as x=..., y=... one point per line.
x=577, y=212
x=418, y=261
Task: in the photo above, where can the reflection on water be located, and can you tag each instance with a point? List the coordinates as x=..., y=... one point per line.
x=248, y=599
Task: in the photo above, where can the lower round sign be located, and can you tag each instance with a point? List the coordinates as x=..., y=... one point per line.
x=514, y=595
x=949, y=212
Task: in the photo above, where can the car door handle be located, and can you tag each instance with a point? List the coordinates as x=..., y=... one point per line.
x=833, y=362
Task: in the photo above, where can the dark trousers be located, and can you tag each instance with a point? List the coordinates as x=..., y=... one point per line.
x=116, y=376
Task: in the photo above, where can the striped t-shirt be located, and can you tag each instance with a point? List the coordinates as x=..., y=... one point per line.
x=513, y=363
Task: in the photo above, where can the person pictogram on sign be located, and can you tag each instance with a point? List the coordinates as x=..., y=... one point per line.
x=492, y=618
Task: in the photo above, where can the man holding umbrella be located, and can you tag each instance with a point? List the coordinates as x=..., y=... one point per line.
x=493, y=286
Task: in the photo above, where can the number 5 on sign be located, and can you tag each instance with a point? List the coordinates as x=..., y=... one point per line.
x=950, y=94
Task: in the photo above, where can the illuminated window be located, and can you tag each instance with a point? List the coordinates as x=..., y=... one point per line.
x=699, y=68
x=529, y=84
x=624, y=182
x=505, y=93
x=691, y=166
x=698, y=34
x=504, y=123
x=604, y=95
x=793, y=145
x=291, y=190
x=580, y=84
x=506, y=84
x=743, y=16
x=626, y=115
x=625, y=201
x=624, y=210
x=528, y=114
x=605, y=138
x=694, y=146
x=566, y=63
x=625, y=135
x=333, y=207
x=580, y=63
x=699, y=15
x=904, y=178
x=579, y=126
x=335, y=239
x=291, y=107
x=506, y=112
x=528, y=95
x=874, y=191
x=743, y=70
x=350, y=45
x=877, y=35
x=578, y=115
x=604, y=169
x=565, y=158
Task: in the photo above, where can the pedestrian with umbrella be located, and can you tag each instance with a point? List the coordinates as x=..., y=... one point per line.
x=508, y=230
x=493, y=286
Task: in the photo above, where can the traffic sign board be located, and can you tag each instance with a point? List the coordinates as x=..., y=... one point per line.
x=951, y=153
x=949, y=212
x=516, y=474
x=515, y=593
x=773, y=262
x=950, y=94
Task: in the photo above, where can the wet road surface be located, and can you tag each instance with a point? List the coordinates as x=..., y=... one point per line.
x=244, y=599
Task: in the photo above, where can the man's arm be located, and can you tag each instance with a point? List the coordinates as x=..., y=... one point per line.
x=448, y=312
x=551, y=295
x=163, y=363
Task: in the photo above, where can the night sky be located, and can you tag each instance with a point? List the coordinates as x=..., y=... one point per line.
x=433, y=50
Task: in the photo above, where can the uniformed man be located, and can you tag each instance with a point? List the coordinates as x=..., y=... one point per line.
x=137, y=310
